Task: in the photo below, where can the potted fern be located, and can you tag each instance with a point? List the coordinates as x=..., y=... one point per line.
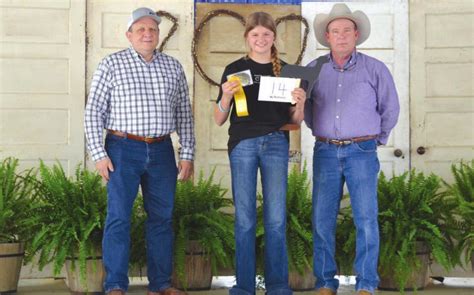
x=415, y=217
x=417, y=223
x=462, y=189
x=16, y=221
x=204, y=234
x=345, y=240
x=299, y=233
x=71, y=215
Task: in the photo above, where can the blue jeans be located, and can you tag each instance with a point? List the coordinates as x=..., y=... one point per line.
x=270, y=154
x=152, y=166
x=357, y=165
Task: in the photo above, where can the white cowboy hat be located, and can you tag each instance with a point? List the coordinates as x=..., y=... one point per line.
x=340, y=10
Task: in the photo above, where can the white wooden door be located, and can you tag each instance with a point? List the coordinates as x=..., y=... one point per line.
x=107, y=23
x=388, y=42
x=42, y=65
x=42, y=91
x=441, y=89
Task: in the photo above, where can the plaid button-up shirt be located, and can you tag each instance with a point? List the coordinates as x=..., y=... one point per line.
x=148, y=99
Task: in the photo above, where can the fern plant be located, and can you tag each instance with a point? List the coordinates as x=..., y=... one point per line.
x=345, y=240
x=137, y=235
x=71, y=215
x=198, y=216
x=299, y=235
x=462, y=189
x=412, y=209
x=17, y=198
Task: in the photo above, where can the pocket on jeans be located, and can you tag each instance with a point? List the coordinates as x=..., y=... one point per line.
x=367, y=146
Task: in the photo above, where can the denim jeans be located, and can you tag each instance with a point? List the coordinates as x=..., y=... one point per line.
x=270, y=154
x=152, y=166
x=356, y=165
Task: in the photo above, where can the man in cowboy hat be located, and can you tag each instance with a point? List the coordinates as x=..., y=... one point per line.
x=139, y=96
x=353, y=107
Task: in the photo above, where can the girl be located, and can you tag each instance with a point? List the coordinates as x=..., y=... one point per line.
x=256, y=141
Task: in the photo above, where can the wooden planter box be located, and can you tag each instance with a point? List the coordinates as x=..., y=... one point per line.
x=95, y=275
x=197, y=269
x=303, y=282
x=418, y=280
x=11, y=257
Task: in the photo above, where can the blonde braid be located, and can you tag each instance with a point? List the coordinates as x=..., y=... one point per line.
x=276, y=61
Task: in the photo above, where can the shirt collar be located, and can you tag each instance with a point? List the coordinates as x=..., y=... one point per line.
x=350, y=63
x=135, y=54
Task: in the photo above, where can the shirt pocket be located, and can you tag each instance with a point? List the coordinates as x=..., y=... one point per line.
x=363, y=92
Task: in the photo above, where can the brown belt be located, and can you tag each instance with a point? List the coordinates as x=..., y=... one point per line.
x=146, y=139
x=345, y=141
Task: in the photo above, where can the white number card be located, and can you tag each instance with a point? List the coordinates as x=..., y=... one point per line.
x=277, y=89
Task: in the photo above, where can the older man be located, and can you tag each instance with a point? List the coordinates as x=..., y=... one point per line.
x=354, y=107
x=140, y=96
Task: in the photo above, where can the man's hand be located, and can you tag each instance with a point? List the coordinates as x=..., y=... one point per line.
x=185, y=169
x=103, y=167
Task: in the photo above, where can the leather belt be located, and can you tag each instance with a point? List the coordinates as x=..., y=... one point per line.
x=345, y=141
x=146, y=139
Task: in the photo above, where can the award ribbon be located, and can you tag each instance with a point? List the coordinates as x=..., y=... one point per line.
x=240, y=99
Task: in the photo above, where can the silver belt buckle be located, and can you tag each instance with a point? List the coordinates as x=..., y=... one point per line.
x=346, y=142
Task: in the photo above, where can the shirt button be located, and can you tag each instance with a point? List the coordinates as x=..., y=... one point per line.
x=337, y=117
x=340, y=85
x=338, y=100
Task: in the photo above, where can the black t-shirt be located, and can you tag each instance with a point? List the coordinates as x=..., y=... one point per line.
x=264, y=117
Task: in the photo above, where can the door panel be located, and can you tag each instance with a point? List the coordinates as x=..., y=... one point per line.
x=442, y=95
x=441, y=89
x=42, y=62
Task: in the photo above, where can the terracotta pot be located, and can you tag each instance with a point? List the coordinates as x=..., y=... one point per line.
x=11, y=257
x=302, y=282
x=95, y=275
x=197, y=269
x=418, y=279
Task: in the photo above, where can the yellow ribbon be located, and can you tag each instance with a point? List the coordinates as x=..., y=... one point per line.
x=240, y=99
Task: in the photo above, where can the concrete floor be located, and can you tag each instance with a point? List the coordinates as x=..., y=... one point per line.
x=451, y=286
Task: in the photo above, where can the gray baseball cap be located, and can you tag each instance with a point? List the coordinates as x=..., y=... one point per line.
x=142, y=12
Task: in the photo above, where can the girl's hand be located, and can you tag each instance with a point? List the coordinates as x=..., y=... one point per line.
x=229, y=88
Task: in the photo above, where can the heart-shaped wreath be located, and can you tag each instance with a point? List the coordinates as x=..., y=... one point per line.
x=211, y=14
x=173, y=29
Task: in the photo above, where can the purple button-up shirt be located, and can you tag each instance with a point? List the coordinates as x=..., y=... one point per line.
x=358, y=99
